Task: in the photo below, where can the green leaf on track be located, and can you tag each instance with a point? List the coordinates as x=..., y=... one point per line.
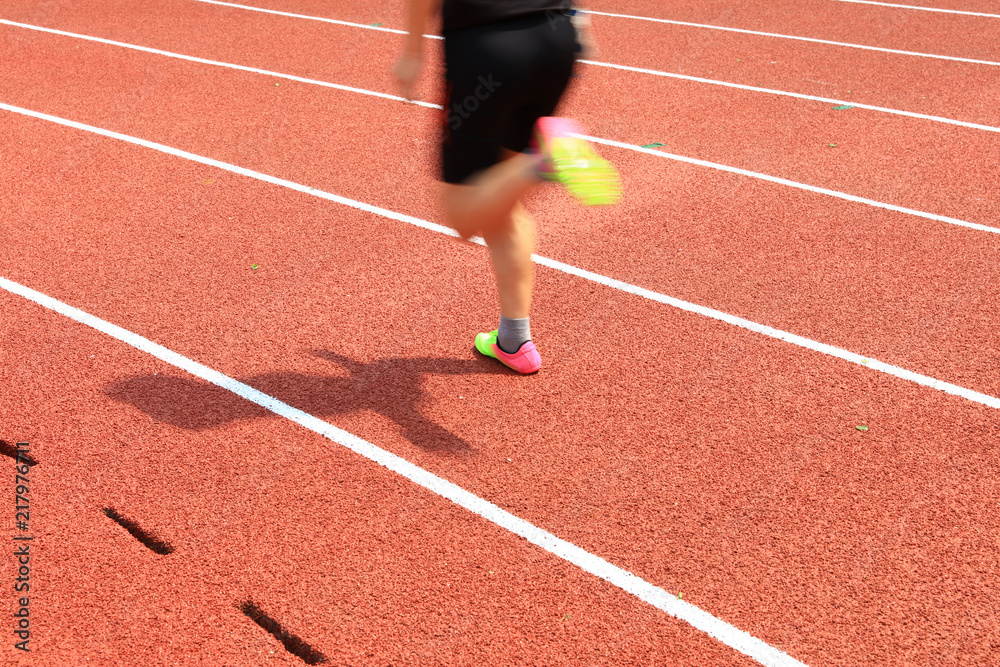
x=861, y=428
x=832, y=145
x=255, y=266
x=277, y=84
x=841, y=107
x=656, y=145
x=374, y=25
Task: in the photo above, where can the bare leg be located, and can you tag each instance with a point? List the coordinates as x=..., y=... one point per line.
x=485, y=201
x=510, y=247
x=488, y=205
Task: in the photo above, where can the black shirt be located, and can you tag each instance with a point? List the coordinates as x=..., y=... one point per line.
x=467, y=13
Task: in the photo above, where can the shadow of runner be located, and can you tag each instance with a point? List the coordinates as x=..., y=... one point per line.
x=390, y=387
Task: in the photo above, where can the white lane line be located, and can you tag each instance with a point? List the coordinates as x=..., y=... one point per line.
x=608, y=142
x=639, y=70
x=724, y=632
x=846, y=355
x=800, y=96
x=926, y=9
x=642, y=70
x=793, y=184
x=217, y=63
x=867, y=362
x=315, y=18
x=637, y=18
x=796, y=38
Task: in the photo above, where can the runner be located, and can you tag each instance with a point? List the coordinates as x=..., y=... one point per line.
x=507, y=63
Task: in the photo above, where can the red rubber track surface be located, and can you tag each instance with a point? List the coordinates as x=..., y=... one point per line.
x=780, y=502
x=703, y=458
x=686, y=115
x=682, y=231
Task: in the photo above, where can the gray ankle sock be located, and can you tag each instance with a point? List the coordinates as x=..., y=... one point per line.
x=513, y=333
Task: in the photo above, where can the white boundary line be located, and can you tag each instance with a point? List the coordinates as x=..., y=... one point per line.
x=926, y=9
x=203, y=61
x=350, y=24
x=724, y=632
x=796, y=38
x=637, y=18
x=800, y=96
x=795, y=184
x=608, y=142
x=639, y=70
x=939, y=119
x=794, y=339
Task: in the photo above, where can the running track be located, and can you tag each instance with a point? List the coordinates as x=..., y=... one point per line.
x=707, y=459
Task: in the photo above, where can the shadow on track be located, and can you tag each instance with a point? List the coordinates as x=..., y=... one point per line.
x=390, y=387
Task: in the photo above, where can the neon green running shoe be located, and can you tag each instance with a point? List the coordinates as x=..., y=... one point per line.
x=573, y=162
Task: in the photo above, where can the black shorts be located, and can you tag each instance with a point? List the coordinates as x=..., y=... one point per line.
x=500, y=78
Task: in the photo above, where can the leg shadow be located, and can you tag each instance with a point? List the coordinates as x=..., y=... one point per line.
x=390, y=387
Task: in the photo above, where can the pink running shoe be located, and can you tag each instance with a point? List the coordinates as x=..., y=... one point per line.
x=526, y=360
